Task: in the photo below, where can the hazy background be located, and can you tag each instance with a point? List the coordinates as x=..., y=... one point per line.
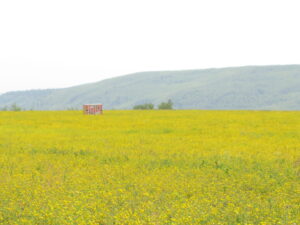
x=59, y=43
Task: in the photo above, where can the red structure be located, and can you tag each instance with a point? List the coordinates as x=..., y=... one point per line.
x=92, y=109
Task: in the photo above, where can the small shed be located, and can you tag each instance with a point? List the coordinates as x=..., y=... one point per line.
x=92, y=109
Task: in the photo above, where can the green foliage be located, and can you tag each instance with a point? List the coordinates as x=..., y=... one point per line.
x=146, y=106
x=166, y=105
x=13, y=107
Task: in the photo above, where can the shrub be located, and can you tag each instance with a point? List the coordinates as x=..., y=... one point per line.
x=166, y=105
x=145, y=106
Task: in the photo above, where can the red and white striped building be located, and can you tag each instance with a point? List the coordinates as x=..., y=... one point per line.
x=92, y=109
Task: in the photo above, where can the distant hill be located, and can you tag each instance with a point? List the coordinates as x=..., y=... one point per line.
x=251, y=87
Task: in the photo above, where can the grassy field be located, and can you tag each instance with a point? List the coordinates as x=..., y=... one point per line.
x=150, y=167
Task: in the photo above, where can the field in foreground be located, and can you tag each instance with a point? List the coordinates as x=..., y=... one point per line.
x=150, y=167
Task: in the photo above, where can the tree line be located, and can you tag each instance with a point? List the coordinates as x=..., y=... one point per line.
x=13, y=107
x=149, y=106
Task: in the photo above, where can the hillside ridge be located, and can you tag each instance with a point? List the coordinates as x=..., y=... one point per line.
x=274, y=87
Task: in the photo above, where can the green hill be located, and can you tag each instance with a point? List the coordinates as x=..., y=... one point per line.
x=251, y=87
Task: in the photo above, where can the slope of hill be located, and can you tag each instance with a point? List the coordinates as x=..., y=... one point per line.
x=251, y=87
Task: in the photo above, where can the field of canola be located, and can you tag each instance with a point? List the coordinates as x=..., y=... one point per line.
x=150, y=167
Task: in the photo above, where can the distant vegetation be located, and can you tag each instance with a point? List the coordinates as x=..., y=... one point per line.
x=166, y=105
x=146, y=106
x=252, y=87
x=13, y=107
x=149, y=106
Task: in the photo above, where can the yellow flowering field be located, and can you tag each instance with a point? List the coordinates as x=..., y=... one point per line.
x=150, y=167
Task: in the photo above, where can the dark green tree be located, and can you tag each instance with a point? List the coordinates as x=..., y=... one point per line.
x=146, y=106
x=166, y=105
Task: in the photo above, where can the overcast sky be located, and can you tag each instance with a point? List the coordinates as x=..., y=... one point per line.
x=60, y=43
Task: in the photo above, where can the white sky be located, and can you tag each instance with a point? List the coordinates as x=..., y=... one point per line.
x=59, y=43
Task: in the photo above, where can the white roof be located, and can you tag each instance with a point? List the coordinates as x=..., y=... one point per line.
x=94, y=104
